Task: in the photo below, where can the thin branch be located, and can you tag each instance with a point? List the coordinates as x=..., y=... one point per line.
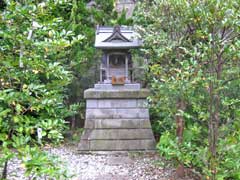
x=223, y=32
x=227, y=35
x=229, y=80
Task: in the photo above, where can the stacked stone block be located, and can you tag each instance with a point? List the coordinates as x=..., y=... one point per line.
x=117, y=120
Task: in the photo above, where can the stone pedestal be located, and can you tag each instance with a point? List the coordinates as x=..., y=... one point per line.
x=117, y=119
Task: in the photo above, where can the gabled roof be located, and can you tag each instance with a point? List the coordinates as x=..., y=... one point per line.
x=118, y=37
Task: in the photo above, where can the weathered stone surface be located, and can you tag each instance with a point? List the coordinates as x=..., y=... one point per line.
x=122, y=94
x=142, y=103
x=84, y=145
x=86, y=134
x=117, y=119
x=122, y=145
x=145, y=124
x=117, y=103
x=105, y=87
x=117, y=113
x=91, y=103
x=117, y=123
x=111, y=103
x=117, y=134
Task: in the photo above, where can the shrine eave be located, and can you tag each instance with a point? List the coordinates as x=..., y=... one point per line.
x=119, y=37
x=131, y=45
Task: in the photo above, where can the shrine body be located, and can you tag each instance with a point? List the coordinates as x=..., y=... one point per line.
x=115, y=43
x=117, y=116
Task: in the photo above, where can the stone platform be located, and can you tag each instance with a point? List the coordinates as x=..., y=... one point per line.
x=117, y=120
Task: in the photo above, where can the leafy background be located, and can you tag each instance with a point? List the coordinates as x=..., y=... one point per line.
x=47, y=60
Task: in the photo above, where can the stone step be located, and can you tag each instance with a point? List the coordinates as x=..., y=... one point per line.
x=117, y=123
x=117, y=134
x=117, y=145
x=117, y=103
x=134, y=113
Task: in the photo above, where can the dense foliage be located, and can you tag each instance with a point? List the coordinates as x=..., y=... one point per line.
x=34, y=48
x=194, y=70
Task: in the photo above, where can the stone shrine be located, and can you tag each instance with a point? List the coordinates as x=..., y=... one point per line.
x=117, y=116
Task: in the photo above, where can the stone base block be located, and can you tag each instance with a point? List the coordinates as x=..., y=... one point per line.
x=117, y=124
x=117, y=94
x=134, y=113
x=117, y=145
x=116, y=103
x=117, y=134
x=117, y=120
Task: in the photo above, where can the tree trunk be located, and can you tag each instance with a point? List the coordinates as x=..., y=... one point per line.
x=73, y=122
x=4, y=172
x=181, y=106
x=214, y=110
x=213, y=131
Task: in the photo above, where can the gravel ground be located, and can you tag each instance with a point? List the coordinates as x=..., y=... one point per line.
x=103, y=167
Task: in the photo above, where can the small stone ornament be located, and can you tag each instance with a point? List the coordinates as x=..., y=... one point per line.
x=39, y=135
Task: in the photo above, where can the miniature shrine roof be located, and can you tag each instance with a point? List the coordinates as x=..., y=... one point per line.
x=118, y=37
